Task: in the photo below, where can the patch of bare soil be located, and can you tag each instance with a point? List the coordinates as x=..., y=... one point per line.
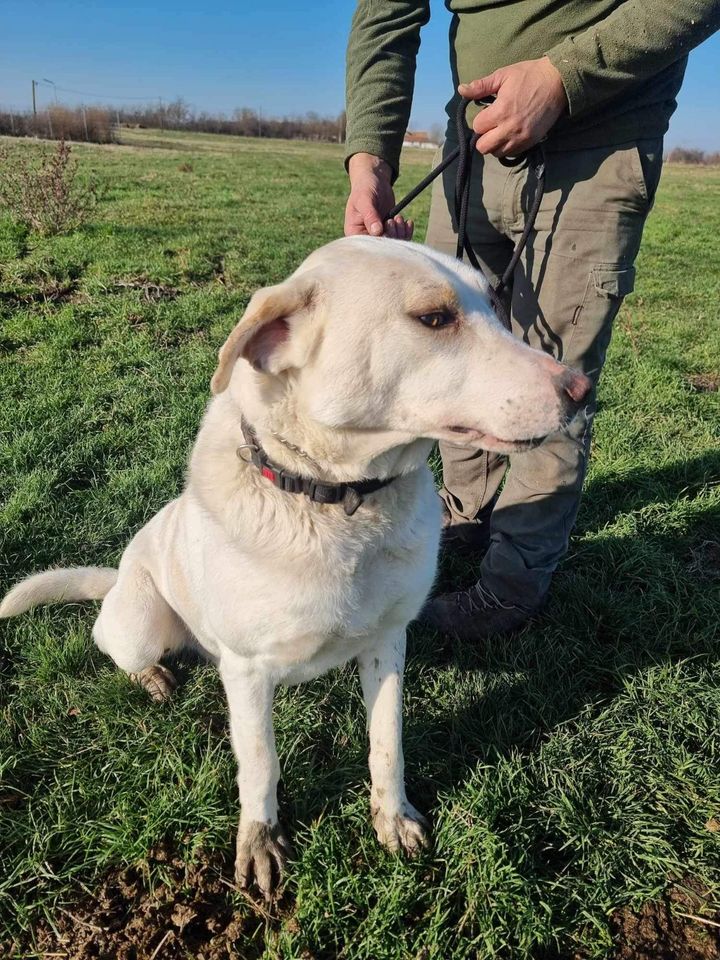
x=189, y=915
x=193, y=914
x=704, y=382
x=51, y=290
x=151, y=292
x=681, y=926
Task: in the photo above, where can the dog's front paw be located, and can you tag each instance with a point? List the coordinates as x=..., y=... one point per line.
x=157, y=680
x=262, y=851
x=403, y=829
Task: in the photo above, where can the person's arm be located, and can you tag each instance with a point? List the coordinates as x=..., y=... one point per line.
x=637, y=40
x=380, y=77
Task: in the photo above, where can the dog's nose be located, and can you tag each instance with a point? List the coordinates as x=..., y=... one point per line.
x=576, y=385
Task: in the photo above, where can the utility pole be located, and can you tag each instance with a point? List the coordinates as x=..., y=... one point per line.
x=34, y=84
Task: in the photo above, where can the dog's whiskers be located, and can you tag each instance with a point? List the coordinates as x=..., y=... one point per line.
x=576, y=427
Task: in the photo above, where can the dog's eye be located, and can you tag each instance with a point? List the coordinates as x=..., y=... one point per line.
x=440, y=318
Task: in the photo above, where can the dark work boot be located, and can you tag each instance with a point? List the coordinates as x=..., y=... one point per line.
x=475, y=614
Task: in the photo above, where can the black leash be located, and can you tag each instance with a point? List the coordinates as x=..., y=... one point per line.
x=464, y=154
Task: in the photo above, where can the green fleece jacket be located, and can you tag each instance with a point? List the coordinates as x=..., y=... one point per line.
x=621, y=62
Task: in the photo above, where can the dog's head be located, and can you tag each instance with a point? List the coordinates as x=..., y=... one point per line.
x=386, y=336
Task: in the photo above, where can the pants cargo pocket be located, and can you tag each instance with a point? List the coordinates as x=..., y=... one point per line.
x=607, y=286
x=613, y=283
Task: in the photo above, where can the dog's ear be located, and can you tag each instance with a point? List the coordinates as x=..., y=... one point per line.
x=269, y=336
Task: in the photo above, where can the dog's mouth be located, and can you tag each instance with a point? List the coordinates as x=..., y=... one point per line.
x=488, y=441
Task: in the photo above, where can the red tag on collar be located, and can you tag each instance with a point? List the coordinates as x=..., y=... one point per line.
x=268, y=474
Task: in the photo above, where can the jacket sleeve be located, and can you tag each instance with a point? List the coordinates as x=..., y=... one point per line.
x=380, y=75
x=637, y=40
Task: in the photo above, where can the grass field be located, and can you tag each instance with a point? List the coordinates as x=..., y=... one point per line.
x=568, y=772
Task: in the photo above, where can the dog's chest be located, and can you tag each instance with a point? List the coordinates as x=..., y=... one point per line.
x=313, y=600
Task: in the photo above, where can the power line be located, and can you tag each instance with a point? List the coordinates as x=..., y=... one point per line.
x=106, y=96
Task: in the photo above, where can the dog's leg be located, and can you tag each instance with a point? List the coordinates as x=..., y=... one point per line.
x=262, y=848
x=397, y=823
x=136, y=627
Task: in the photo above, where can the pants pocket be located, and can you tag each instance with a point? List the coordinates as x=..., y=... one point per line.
x=607, y=286
x=646, y=158
x=612, y=283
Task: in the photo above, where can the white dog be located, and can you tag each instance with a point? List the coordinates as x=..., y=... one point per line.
x=308, y=529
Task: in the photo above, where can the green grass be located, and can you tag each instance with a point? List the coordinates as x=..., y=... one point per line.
x=567, y=771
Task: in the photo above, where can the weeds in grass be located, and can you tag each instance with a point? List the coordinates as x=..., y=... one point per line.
x=44, y=193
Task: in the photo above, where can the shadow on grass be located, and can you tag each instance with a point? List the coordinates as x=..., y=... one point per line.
x=619, y=605
x=606, y=497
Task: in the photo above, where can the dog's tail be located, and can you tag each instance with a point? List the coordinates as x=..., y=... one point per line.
x=58, y=586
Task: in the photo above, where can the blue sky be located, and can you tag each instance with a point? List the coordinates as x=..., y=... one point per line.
x=284, y=58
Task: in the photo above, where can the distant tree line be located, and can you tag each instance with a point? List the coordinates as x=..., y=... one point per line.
x=61, y=123
x=697, y=157
x=100, y=124
x=244, y=122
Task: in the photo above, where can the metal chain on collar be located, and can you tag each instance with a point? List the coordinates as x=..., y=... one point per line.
x=297, y=450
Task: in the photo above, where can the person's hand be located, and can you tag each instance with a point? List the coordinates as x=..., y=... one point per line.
x=530, y=97
x=371, y=196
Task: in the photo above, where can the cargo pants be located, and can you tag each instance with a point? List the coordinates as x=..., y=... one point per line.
x=567, y=289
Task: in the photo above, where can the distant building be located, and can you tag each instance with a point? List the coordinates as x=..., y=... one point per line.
x=419, y=138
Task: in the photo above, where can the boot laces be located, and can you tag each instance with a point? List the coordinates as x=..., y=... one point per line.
x=480, y=598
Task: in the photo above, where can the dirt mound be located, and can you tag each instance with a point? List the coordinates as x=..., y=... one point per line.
x=189, y=915
x=680, y=926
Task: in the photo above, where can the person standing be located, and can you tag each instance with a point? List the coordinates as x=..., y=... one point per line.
x=596, y=82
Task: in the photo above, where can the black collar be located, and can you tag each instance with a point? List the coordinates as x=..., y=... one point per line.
x=351, y=495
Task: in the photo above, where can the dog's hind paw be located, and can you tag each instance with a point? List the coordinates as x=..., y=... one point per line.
x=157, y=680
x=405, y=830
x=262, y=852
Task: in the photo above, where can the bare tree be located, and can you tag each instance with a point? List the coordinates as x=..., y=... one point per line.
x=437, y=133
